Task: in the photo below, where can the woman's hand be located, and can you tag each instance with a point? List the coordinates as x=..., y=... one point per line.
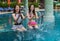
x=23, y=16
x=15, y=18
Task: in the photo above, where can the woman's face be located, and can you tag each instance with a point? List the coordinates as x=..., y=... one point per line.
x=17, y=8
x=32, y=7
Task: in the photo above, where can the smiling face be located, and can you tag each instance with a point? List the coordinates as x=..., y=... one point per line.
x=32, y=7
x=17, y=8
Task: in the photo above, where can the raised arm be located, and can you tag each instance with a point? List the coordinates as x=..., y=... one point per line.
x=28, y=16
x=15, y=18
x=23, y=16
x=36, y=15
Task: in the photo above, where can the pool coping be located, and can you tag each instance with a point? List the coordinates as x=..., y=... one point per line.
x=23, y=11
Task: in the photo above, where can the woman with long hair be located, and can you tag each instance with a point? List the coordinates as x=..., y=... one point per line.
x=32, y=16
x=18, y=17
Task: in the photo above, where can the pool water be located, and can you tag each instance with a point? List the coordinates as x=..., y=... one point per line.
x=47, y=32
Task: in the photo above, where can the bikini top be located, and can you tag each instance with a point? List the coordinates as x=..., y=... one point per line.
x=33, y=16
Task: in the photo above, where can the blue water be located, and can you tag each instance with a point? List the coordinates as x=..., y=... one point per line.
x=47, y=32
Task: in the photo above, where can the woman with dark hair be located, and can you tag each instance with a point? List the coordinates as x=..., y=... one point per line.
x=32, y=16
x=18, y=17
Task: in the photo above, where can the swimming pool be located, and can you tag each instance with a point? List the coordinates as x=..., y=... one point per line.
x=46, y=32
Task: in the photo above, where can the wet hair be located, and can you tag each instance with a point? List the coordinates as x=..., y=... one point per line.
x=33, y=10
x=14, y=11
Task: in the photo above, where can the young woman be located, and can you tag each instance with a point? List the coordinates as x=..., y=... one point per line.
x=18, y=17
x=32, y=16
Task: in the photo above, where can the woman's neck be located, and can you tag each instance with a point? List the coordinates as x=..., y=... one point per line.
x=16, y=12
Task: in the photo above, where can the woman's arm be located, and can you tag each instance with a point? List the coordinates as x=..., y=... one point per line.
x=14, y=17
x=28, y=16
x=36, y=16
x=23, y=16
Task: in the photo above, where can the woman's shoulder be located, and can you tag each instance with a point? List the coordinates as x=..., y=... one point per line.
x=13, y=14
